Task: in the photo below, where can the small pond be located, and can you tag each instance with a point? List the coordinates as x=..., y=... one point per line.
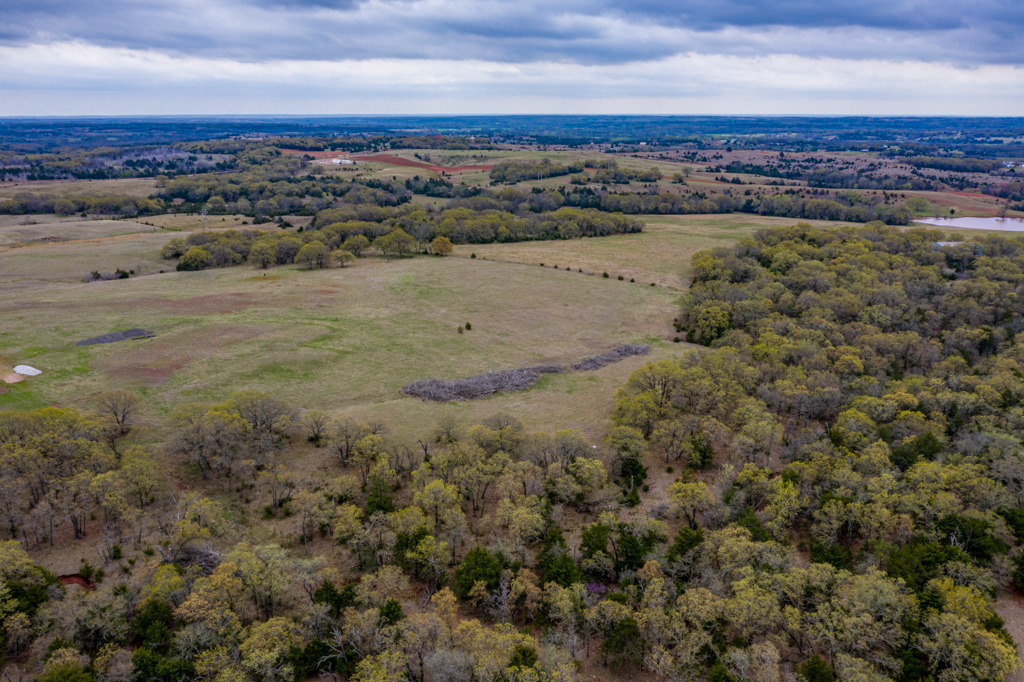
x=1007, y=224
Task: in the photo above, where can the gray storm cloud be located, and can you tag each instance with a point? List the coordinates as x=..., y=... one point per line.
x=576, y=32
x=486, y=56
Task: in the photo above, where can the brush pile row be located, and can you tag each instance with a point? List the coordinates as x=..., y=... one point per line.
x=614, y=355
x=442, y=391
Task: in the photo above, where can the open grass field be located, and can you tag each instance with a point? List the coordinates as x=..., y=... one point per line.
x=660, y=254
x=40, y=229
x=141, y=187
x=344, y=340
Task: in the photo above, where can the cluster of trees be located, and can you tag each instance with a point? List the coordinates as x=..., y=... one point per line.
x=103, y=204
x=409, y=231
x=269, y=183
x=607, y=171
x=511, y=172
x=259, y=613
x=60, y=469
x=842, y=206
x=105, y=163
x=810, y=171
x=1014, y=191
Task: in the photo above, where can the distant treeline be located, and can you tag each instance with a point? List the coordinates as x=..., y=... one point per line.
x=464, y=225
x=959, y=165
x=25, y=203
x=378, y=143
x=846, y=206
x=835, y=179
x=107, y=163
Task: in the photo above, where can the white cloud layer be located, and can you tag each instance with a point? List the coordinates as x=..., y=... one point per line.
x=80, y=78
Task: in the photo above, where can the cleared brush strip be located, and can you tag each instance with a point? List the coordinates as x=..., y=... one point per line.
x=439, y=390
x=481, y=385
x=614, y=355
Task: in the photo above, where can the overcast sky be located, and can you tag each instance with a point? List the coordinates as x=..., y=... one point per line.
x=937, y=57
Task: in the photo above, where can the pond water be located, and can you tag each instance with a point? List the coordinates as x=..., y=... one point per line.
x=1007, y=224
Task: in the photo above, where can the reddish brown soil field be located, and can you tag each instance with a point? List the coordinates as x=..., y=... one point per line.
x=75, y=579
x=400, y=161
x=973, y=194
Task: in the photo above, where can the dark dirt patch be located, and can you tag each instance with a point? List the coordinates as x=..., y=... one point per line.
x=114, y=337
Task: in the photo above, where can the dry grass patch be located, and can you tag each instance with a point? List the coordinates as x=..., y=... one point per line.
x=139, y=187
x=71, y=261
x=49, y=228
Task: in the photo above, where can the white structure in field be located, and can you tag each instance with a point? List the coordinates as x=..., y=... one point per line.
x=27, y=371
x=343, y=162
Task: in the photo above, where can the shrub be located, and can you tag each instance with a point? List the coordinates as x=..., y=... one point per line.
x=337, y=600
x=66, y=672
x=523, y=657
x=749, y=520
x=391, y=611
x=621, y=278
x=623, y=646
x=468, y=326
x=605, y=275
x=461, y=329
x=478, y=565
x=196, y=258
x=632, y=280
x=669, y=469
x=835, y=554
x=472, y=255
x=686, y=539
x=815, y=669
x=442, y=246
